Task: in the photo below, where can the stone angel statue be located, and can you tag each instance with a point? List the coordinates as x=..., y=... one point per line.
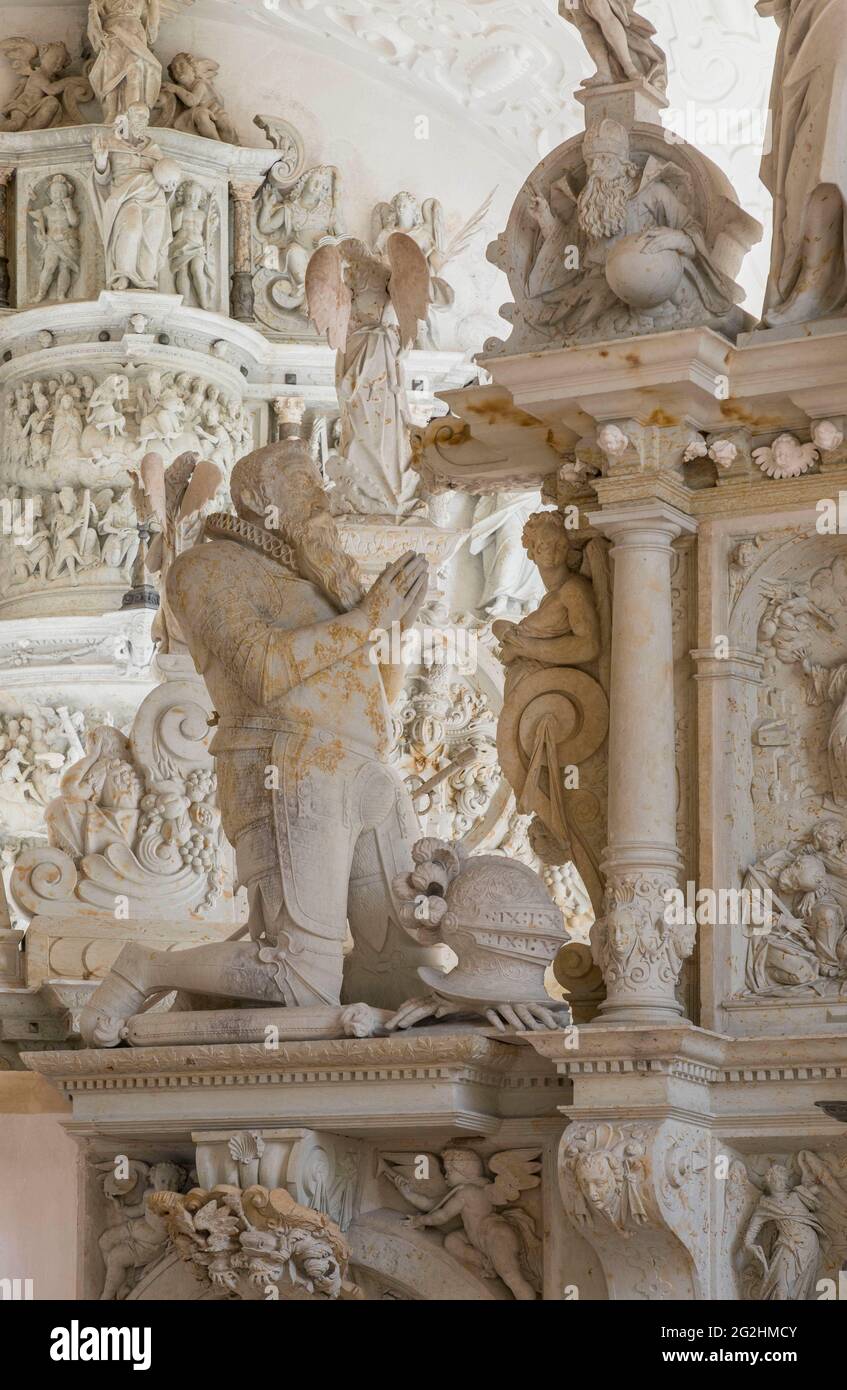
x=370, y=307
x=620, y=42
x=494, y=1243
x=43, y=97
x=424, y=223
x=173, y=500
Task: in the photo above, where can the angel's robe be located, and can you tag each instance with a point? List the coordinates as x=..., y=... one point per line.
x=125, y=71
x=809, y=150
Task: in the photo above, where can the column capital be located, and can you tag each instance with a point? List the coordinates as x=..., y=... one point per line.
x=652, y=523
x=244, y=190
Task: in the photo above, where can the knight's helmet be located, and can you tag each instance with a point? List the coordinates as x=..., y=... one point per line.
x=494, y=913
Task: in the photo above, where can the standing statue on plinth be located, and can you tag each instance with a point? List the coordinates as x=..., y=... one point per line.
x=806, y=167
x=370, y=306
x=121, y=34
x=278, y=624
x=619, y=40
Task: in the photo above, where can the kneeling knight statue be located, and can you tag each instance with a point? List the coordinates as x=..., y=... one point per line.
x=283, y=633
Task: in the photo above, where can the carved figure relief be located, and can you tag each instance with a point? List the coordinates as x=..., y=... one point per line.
x=44, y=97
x=293, y=218
x=72, y=427
x=138, y=820
x=789, y=1215
x=512, y=585
x=137, y=1236
x=552, y=659
x=804, y=166
x=619, y=233
x=130, y=187
x=54, y=219
x=620, y=42
x=78, y=537
x=498, y=1238
x=608, y=1167
x=195, y=222
x=189, y=101
x=121, y=34
x=424, y=223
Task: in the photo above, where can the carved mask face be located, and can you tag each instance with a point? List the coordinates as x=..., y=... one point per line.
x=597, y=1180
x=621, y=931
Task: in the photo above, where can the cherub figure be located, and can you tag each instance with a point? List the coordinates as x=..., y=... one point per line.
x=43, y=98
x=189, y=101
x=494, y=1243
x=142, y=1236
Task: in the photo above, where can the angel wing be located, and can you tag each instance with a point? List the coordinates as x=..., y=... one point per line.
x=382, y=218
x=465, y=235
x=826, y=1178
x=206, y=68
x=22, y=54
x=148, y=489
x=329, y=299
x=409, y=286
x=204, y=482
x=516, y=1171
x=433, y=215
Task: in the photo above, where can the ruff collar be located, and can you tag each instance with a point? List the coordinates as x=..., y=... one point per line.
x=228, y=527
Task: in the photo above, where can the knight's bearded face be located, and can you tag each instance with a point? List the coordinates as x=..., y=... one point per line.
x=306, y=523
x=322, y=559
x=602, y=204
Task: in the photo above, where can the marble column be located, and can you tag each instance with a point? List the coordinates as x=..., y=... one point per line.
x=288, y=413
x=242, y=250
x=6, y=176
x=639, y=946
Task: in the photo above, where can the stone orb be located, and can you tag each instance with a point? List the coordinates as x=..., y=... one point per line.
x=642, y=278
x=167, y=174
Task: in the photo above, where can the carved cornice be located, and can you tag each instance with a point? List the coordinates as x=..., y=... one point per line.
x=694, y=1054
x=468, y=1057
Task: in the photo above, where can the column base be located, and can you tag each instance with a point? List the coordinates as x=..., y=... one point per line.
x=242, y=301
